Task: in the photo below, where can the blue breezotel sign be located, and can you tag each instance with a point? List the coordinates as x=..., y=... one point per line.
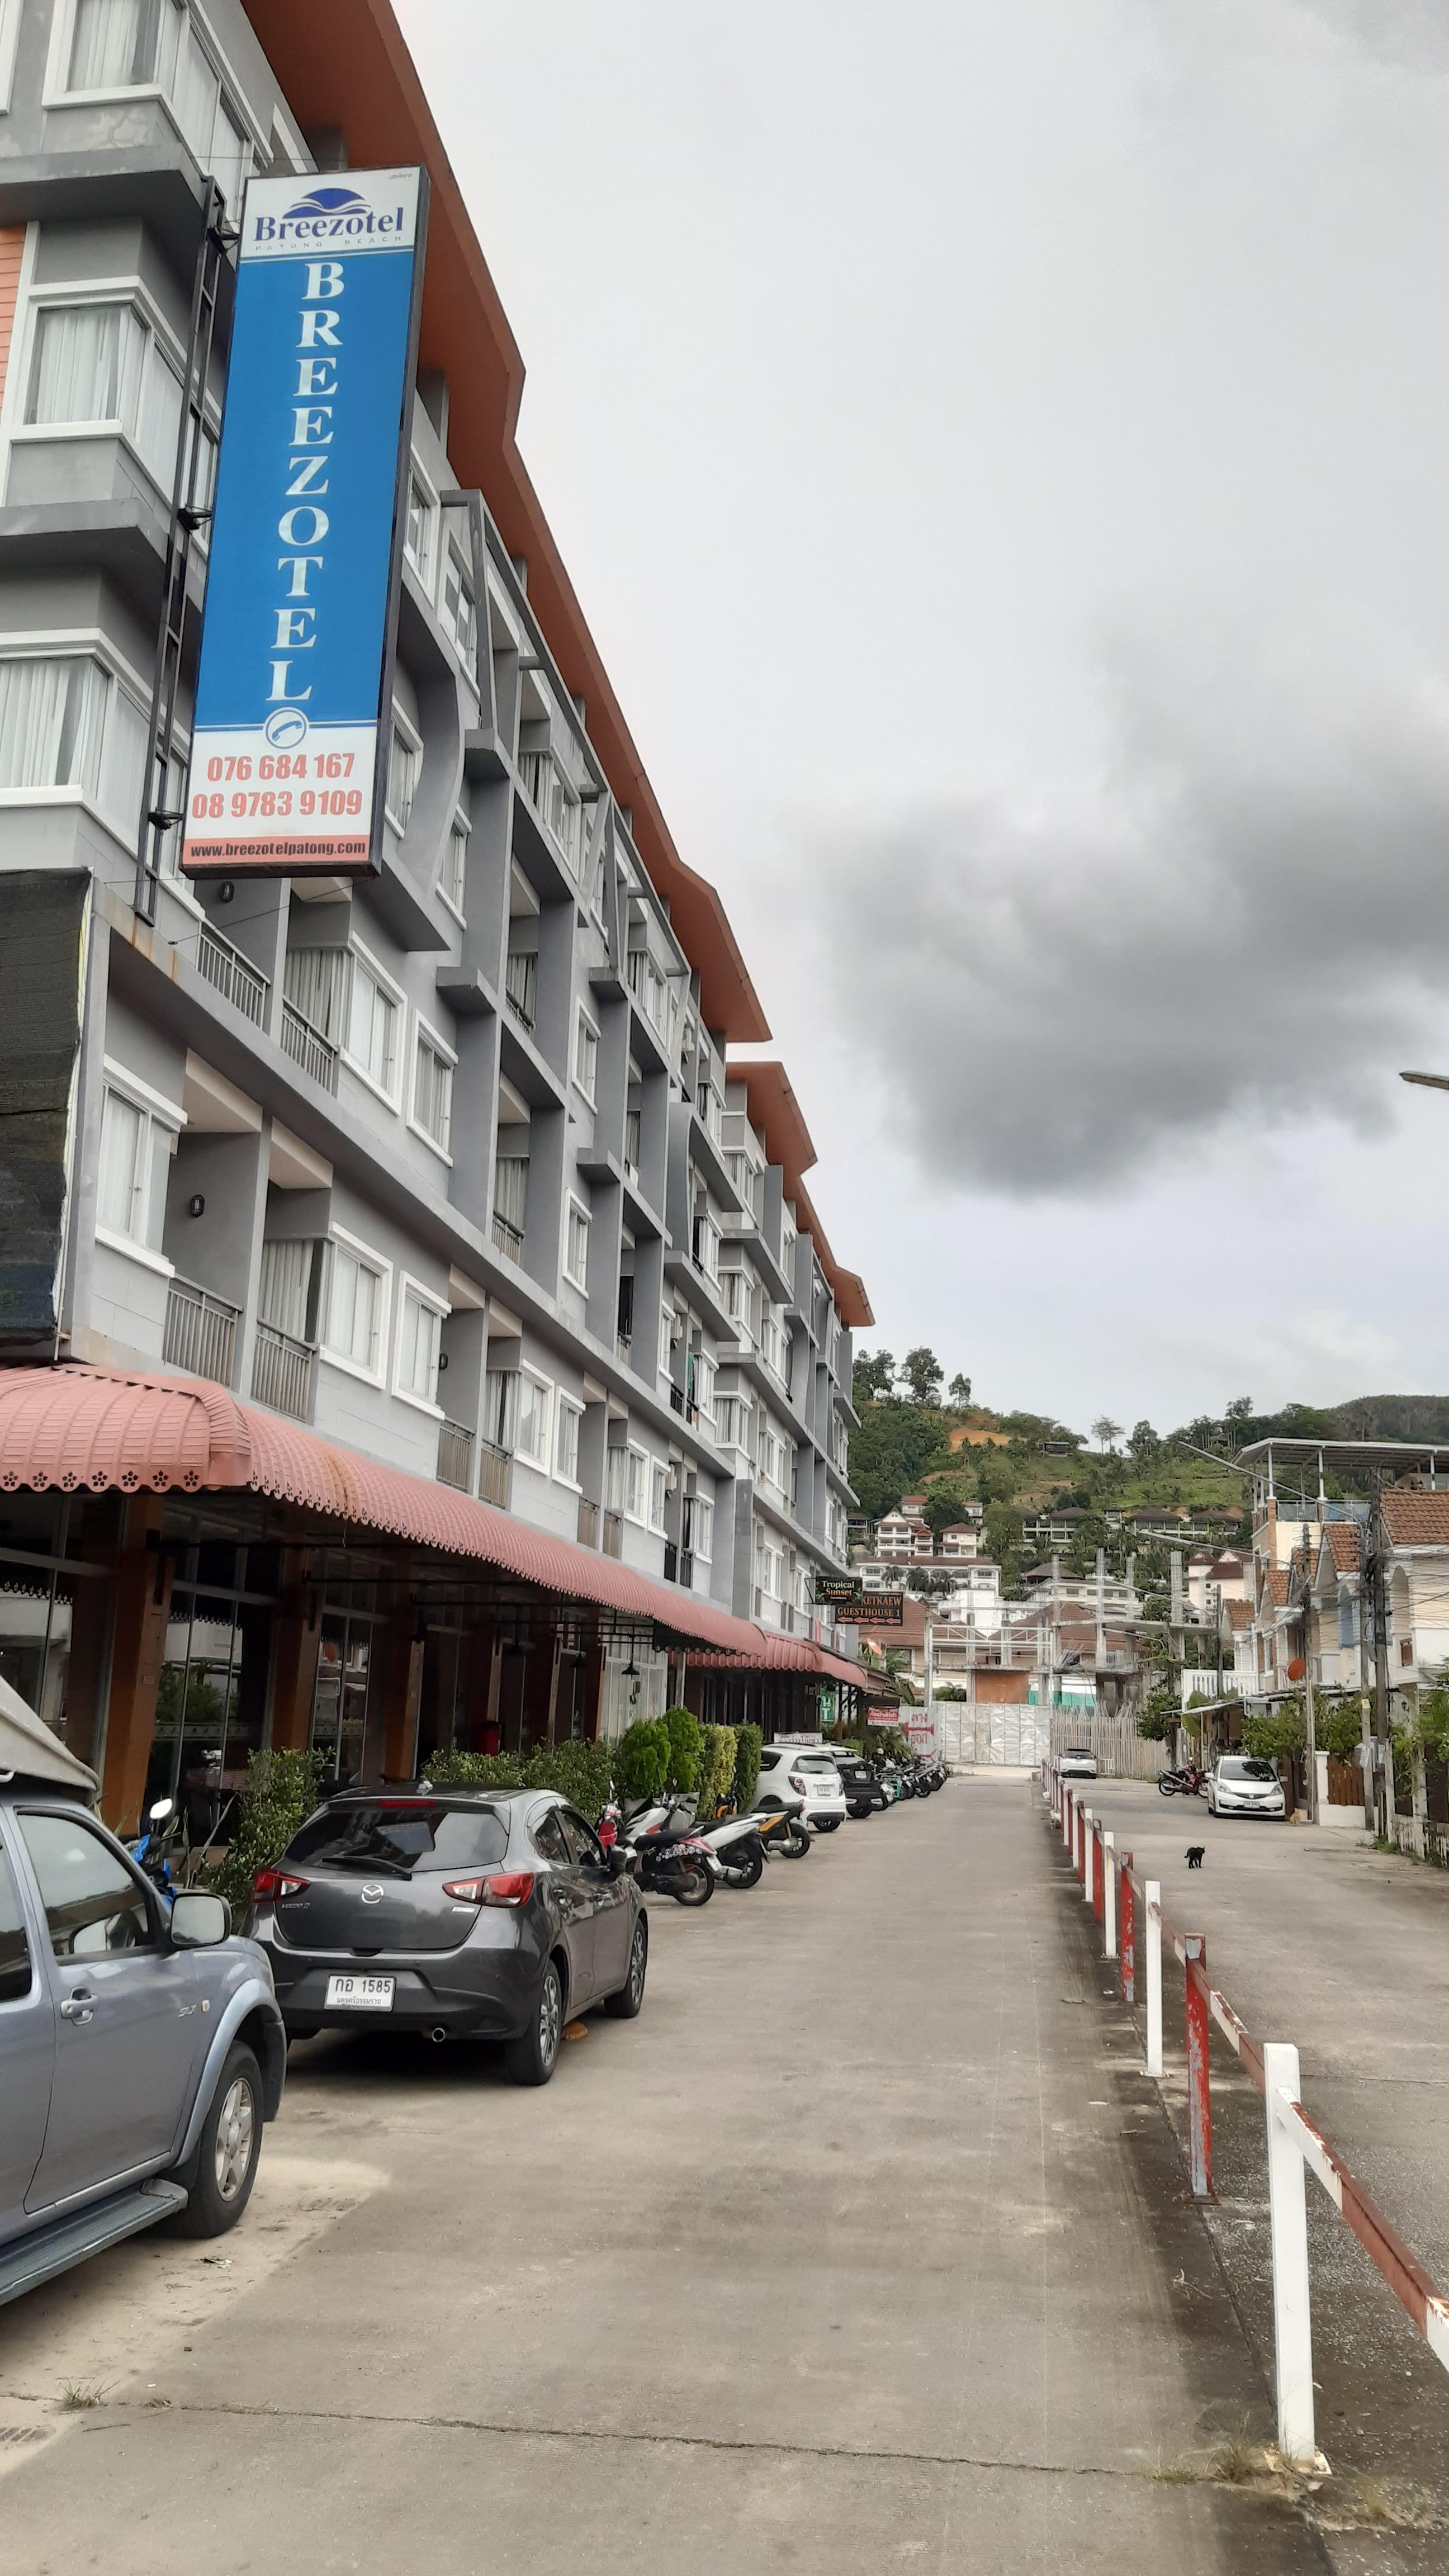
x=288, y=752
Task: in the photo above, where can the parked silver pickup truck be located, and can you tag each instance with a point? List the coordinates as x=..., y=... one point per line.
x=141, y=2048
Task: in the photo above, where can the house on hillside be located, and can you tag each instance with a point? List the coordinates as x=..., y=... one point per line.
x=903, y=1537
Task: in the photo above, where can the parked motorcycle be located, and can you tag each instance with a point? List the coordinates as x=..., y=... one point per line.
x=155, y=1848
x=1188, y=1782
x=673, y=1859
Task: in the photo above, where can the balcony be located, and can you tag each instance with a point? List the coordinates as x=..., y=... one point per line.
x=494, y=1472
x=683, y=1404
x=237, y=981
x=507, y=1237
x=588, y=1532
x=543, y=784
x=671, y=1561
x=455, y=1456
x=200, y=1332
x=520, y=986
x=686, y=1569
x=282, y=1373
x=613, y=1533
x=308, y=1048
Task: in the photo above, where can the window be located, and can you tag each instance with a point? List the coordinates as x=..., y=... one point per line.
x=576, y=1250
x=566, y=1441
x=372, y=1025
x=534, y=1404
x=284, y=1292
x=113, y=45
x=706, y=1244
x=66, y=722
x=356, y=1306
x=586, y=1056
x=432, y=1090
x=737, y=1287
x=703, y=1370
x=636, y=1484
x=520, y=984
x=732, y=1421
x=787, y=1252
x=211, y=126
x=500, y=1408
x=418, y=1342
x=418, y=537
x=510, y=1191
x=698, y=1526
x=404, y=760
x=136, y=1148
x=459, y=607
x=658, y=1494
x=102, y=366
x=615, y=1479
x=453, y=875
x=646, y=983
x=15, y=1975
x=93, y=1906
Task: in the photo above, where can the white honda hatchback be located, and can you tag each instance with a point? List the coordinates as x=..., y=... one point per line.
x=803, y=1771
x=1239, y=1784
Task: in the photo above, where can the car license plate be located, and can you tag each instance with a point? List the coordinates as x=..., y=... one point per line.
x=360, y=1994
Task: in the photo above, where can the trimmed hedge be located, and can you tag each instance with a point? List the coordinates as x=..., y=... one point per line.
x=684, y=1750
x=716, y=1768
x=748, y=1740
x=641, y=1764
x=579, y=1772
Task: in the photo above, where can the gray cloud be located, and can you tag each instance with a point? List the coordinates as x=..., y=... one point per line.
x=1245, y=918
x=1410, y=32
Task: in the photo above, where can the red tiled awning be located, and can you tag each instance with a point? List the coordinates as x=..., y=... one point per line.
x=71, y=1428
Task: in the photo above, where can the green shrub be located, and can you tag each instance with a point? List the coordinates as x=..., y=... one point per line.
x=890, y=1744
x=716, y=1767
x=684, y=1751
x=748, y=1740
x=1278, y=1734
x=277, y=1796
x=641, y=1764
x=579, y=1772
x=1338, y=1725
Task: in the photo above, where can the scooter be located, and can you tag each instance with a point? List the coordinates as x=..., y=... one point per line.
x=153, y=1848
x=673, y=1860
x=1186, y=1783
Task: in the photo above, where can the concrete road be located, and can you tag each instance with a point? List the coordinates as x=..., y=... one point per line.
x=1317, y=1938
x=864, y=2246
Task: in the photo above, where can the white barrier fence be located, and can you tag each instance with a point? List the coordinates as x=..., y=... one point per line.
x=1117, y=1896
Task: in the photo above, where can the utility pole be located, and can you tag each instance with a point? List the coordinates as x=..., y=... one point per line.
x=1376, y=1788
x=1310, y=1576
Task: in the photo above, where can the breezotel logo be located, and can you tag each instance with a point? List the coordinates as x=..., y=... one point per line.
x=332, y=215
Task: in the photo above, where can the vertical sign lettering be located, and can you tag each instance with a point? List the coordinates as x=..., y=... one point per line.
x=289, y=746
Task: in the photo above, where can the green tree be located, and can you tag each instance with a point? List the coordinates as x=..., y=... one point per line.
x=1144, y=1444
x=873, y=1374
x=960, y=1391
x=945, y=1505
x=1105, y=1431
x=923, y=1374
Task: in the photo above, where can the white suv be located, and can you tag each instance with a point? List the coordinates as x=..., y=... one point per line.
x=803, y=1771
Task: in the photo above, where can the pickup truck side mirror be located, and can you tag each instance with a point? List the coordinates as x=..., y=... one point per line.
x=618, y=1861
x=198, y=1920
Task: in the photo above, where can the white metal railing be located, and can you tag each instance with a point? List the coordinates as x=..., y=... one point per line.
x=200, y=1332
x=307, y=1047
x=282, y=1372
x=234, y=977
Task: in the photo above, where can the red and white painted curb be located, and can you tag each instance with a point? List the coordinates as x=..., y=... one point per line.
x=1130, y=1911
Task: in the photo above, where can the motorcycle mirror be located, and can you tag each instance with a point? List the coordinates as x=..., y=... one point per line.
x=163, y=1807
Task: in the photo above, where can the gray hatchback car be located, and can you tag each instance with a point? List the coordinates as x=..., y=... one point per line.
x=456, y=1912
x=141, y=2049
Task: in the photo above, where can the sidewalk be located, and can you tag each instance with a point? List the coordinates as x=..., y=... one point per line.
x=864, y=2246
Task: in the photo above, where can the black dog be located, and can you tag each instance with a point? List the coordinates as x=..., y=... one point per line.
x=1193, y=1855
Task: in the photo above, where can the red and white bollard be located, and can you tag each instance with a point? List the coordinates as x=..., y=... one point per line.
x=1129, y=1930
x=1152, y=1908
x=1100, y=1869
x=1109, y=1895
x=1199, y=2094
x=1089, y=1850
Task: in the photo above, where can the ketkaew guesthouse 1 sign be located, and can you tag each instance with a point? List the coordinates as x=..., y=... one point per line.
x=289, y=744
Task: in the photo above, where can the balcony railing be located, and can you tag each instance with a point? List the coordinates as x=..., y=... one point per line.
x=455, y=1456
x=613, y=1533
x=671, y=1561
x=542, y=783
x=307, y=1047
x=623, y=1345
x=282, y=1372
x=234, y=977
x=200, y=1332
x=507, y=1237
x=494, y=1472
x=588, y=1524
x=686, y=1569
x=683, y=1404
x=711, y=1114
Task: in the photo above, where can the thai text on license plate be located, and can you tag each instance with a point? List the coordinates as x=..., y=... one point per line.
x=360, y=1994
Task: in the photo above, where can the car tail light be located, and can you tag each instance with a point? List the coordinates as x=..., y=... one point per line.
x=276, y=1882
x=796, y=1782
x=502, y=1887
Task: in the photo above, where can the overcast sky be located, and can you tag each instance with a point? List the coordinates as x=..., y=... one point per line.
x=1003, y=454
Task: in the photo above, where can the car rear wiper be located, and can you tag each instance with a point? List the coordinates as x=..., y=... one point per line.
x=364, y=1860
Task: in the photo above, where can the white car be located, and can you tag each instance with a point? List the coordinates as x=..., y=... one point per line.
x=803, y=1771
x=1078, y=1762
x=1240, y=1785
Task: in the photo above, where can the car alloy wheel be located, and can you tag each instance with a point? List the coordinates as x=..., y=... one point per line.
x=550, y=2016
x=232, y=2153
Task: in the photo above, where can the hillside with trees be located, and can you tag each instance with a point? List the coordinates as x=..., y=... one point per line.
x=920, y=1433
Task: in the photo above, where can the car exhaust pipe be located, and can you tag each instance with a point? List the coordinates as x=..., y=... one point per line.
x=438, y=2034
